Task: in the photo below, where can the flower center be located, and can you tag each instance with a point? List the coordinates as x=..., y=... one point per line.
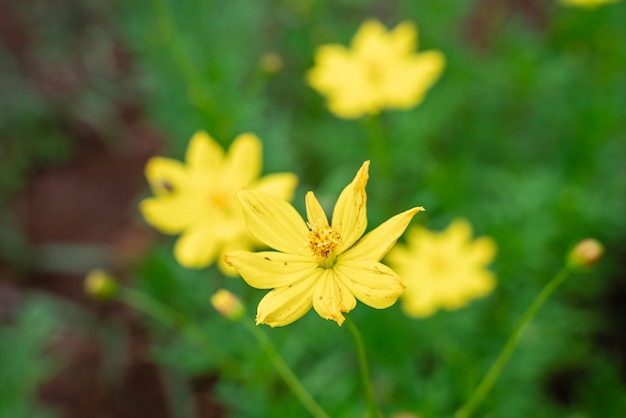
x=219, y=199
x=323, y=241
x=374, y=71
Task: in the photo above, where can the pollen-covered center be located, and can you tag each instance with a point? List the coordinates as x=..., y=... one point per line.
x=323, y=240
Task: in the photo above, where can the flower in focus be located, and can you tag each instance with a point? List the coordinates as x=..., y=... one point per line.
x=317, y=264
x=197, y=199
x=443, y=270
x=588, y=4
x=380, y=70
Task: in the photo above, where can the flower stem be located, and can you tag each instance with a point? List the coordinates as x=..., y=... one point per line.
x=492, y=375
x=378, y=148
x=378, y=145
x=285, y=372
x=372, y=407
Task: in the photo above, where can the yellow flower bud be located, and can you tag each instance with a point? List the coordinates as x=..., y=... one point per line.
x=100, y=285
x=227, y=304
x=585, y=254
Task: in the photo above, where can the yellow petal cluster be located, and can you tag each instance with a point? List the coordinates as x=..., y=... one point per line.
x=443, y=270
x=380, y=70
x=327, y=266
x=588, y=4
x=197, y=199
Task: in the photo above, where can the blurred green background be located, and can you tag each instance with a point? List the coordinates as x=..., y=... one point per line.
x=524, y=135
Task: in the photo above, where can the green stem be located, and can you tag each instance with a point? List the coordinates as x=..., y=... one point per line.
x=378, y=145
x=285, y=372
x=372, y=407
x=492, y=375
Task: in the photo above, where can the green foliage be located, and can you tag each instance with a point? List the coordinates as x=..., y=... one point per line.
x=523, y=136
x=23, y=365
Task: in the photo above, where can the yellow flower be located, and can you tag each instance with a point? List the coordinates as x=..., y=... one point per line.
x=443, y=270
x=317, y=264
x=379, y=71
x=588, y=4
x=198, y=199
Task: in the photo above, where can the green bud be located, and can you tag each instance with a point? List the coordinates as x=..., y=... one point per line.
x=100, y=285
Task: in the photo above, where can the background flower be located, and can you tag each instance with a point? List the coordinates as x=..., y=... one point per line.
x=588, y=4
x=197, y=199
x=379, y=71
x=443, y=270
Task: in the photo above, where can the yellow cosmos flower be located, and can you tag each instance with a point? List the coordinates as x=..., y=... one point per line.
x=443, y=270
x=588, y=4
x=380, y=71
x=326, y=266
x=198, y=199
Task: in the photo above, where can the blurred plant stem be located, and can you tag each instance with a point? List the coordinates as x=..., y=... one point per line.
x=283, y=369
x=378, y=143
x=372, y=407
x=196, y=88
x=173, y=319
x=492, y=375
x=378, y=148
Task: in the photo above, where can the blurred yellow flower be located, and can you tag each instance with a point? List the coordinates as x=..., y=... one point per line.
x=443, y=270
x=198, y=199
x=316, y=264
x=588, y=4
x=381, y=70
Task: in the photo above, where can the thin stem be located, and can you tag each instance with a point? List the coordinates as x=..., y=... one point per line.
x=378, y=147
x=285, y=372
x=492, y=375
x=374, y=412
x=377, y=142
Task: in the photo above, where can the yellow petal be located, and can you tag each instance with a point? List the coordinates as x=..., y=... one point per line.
x=274, y=222
x=241, y=243
x=242, y=165
x=350, y=216
x=375, y=244
x=419, y=304
x=332, y=66
x=404, y=38
x=369, y=38
x=314, y=212
x=371, y=282
x=286, y=304
x=204, y=153
x=280, y=185
x=482, y=250
x=413, y=78
x=458, y=233
x=269, y=269
x=344, y=81
x=197, y=247
x=331, y=297
x=169, y=215
x=166, y=176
